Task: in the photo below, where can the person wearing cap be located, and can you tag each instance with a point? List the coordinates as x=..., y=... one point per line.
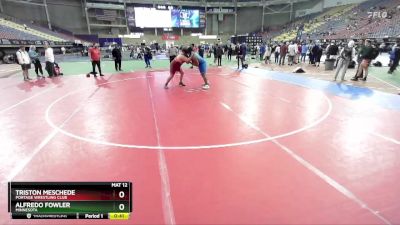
x=24, y=61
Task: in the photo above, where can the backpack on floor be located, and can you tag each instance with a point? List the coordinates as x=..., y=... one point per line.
x=377, y=64
x=57, y=70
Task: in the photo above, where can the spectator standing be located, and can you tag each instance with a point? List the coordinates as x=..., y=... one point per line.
x=147, y=56
x=277, y=52
x=95, y=57
x=243, y=50
x=214, y=50
x=256, y=50
x=172, y=53
x=201, y=51
x=194, y=49
x=332, y=51
x=382, y=47
x=394, y=57
x=304, y=50
x=220, y=52
x=239, y=55
x=283, y=52
x=230, y=50
x=49, y=59
x=24, y=61
x=267, y=54
x=63, y=50
x=347, y=54
x=365, y=57
x=132, y=54
x=34, y=56
x=317, y=54
x=117, y=55
x=139, y=52
x=298, y=53
x=311, y=55
x=262, y=51
x=292, y=49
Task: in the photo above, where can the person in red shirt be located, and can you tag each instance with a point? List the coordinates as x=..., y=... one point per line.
x=95, y=56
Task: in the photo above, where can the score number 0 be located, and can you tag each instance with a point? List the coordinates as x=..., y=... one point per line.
x=121, y=206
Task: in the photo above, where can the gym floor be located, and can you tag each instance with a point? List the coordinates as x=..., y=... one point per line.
x=258, y=147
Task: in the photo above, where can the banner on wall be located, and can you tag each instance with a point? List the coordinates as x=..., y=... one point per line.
x=130, y=15
x=105, y=42
x=170, y=37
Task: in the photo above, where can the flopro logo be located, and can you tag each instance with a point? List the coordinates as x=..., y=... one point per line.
x=376, y=15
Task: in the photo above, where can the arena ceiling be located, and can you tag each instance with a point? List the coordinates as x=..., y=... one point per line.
x=222, y=3
x=194, y=3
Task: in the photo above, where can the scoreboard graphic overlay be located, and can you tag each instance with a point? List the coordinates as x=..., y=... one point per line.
x=70, y=200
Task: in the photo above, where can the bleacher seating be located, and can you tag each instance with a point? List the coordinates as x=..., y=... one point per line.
x=314, y=23
x=17, y=31
x=11, y=33
x=349, y=21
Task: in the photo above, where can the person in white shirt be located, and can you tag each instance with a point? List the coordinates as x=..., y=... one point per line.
x=296, y=56
x=292, y=49
x=172, y=52
x=63, y=50
x=25, y=62
x=277, y=52
x=49, y=58
x=267, y=54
